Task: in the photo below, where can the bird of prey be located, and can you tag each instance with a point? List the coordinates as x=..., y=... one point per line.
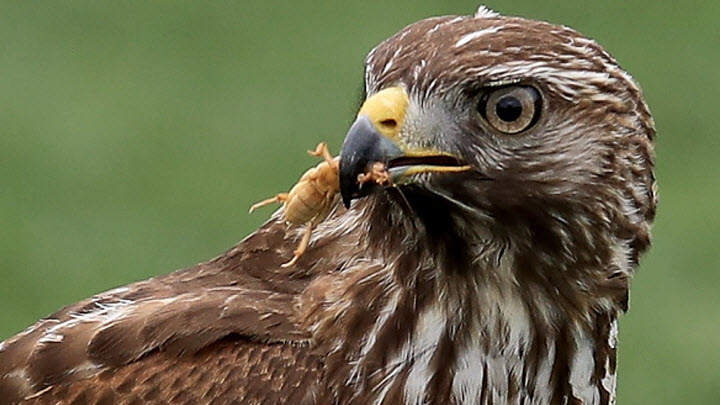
x=501, y=284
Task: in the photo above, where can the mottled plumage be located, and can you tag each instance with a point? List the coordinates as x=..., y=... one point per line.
x=497, y=285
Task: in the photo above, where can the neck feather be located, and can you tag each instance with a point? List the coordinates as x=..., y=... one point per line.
x=430, y=311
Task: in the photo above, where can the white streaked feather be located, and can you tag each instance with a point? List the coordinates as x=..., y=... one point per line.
x=430, y=328
x=50, y=337
x=484, y=12
x=582, y=366
x=475, y=35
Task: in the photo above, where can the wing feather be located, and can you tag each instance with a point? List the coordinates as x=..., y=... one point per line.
x=161, y=332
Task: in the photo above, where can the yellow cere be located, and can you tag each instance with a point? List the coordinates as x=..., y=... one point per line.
x=386, y=110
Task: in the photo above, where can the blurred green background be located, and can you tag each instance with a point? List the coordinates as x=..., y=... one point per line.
x=134, y=136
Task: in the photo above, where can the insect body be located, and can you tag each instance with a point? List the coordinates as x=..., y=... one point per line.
x=310, y=201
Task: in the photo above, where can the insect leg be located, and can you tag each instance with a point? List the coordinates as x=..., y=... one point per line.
x=302, y=246
x=322, y=151
x=377, y=174
x=282, y=197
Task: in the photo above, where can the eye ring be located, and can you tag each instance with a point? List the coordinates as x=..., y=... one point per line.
x=511, y=109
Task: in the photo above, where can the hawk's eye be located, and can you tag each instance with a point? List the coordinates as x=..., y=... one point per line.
x=511, y=109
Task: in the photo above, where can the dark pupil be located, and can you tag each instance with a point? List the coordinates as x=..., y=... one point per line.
x=508, y=108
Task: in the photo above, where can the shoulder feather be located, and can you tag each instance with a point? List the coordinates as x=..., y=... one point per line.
x=242, y=293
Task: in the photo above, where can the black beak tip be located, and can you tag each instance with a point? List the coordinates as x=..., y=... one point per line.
x=346, y=202
x=346, y=193
x=351, y=164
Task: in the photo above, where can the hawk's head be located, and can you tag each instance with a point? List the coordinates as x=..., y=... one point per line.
x=556, y=135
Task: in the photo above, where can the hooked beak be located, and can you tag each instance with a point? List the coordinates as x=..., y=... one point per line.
x=374, y=137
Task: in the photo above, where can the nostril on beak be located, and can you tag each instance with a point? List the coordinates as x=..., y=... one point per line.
x=389, y=123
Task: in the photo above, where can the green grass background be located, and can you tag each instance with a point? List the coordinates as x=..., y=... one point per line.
x=134, y=136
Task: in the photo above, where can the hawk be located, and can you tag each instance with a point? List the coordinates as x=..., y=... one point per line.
x=501, y=284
